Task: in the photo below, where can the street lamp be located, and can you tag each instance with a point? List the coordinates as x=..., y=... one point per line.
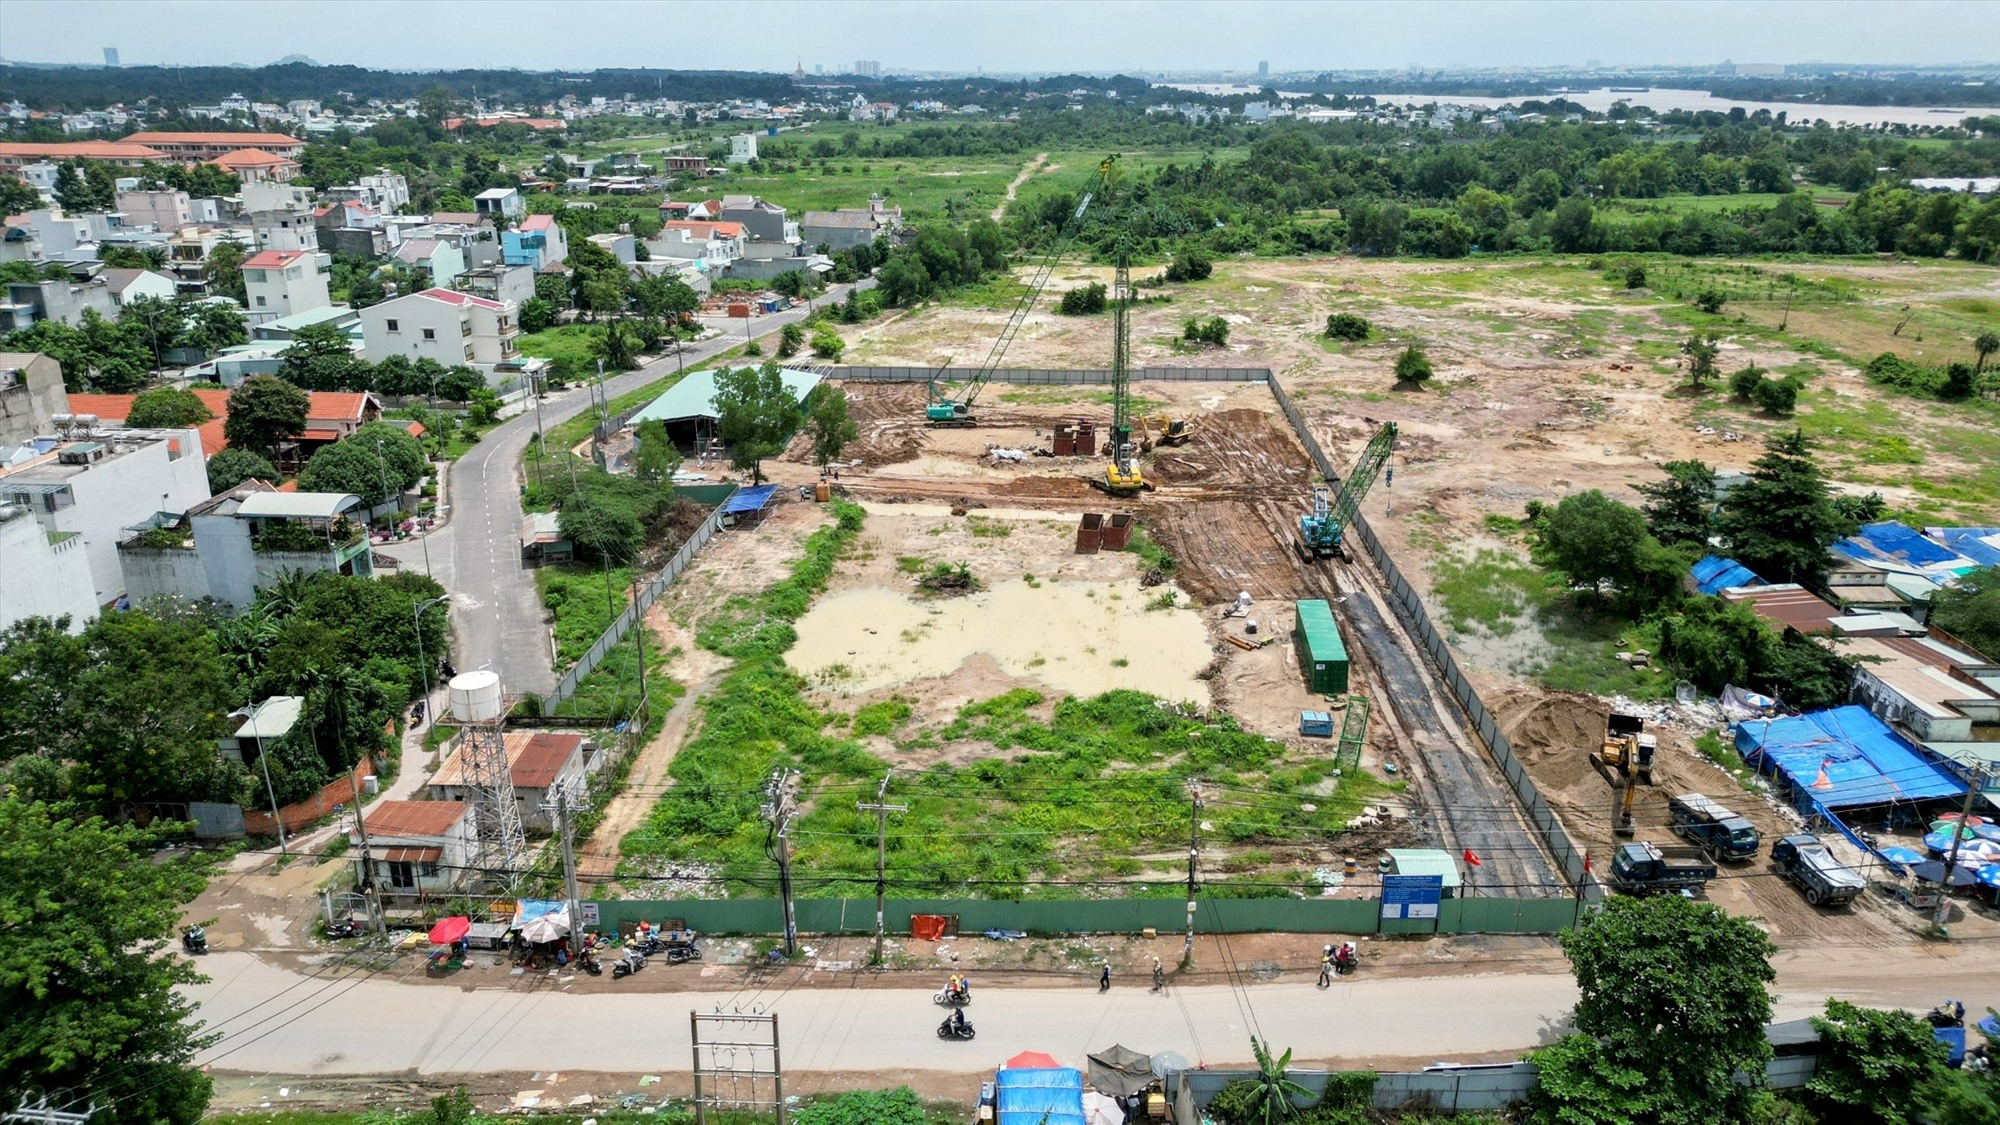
x=417, y=624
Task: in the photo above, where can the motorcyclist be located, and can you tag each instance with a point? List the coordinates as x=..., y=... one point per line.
x=1346, y=957
x=960, y=988
x=957, y=1021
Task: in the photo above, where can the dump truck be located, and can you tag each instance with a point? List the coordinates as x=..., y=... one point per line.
x=1813, y=866
x=1701, y=820
x=1646, y=868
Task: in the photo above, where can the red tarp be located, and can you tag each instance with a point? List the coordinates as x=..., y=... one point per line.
x=1031, y=1060
x=449, y=930
x=927, y=927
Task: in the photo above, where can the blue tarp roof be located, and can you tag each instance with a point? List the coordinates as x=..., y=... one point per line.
x=1039, y=1097
x=1714, y=573
x=1891, y=542
x=749, y=499
x=1863, y=761
x=1978, y=544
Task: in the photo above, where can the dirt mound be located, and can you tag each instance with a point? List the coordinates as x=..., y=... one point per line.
x=1555, y=735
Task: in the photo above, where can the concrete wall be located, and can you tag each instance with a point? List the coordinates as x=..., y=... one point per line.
x=123, y=490
x=166, y=571
x=39, y=578
x=29, y=396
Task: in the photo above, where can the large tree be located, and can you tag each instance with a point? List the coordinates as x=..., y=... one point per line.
x=263, y=411
x=830, y=426
x=757, y=413
x=86, y=916
x=224, y=271
x=321, y=358
x=1675, y=996
x=351, y=466
x=1781, y=521
x=1680, y=509
x=166, y=408
x=232, y=467
x=1970, y=610
x=1873, y=1065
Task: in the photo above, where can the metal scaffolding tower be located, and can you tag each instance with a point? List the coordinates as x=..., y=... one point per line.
x=499, y=843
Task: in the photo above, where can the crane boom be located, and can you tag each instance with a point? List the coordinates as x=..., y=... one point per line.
x=1338, y=503
x=956, y=409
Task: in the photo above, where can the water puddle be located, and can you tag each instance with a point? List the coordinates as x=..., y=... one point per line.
x=1077, y=637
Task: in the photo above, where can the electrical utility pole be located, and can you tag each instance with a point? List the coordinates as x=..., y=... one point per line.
x=367, y=862
x=881, y=809
x=1974, y=785
x=560, y=803
x=781, y=800
x=40, y=1113
x=1194, y=853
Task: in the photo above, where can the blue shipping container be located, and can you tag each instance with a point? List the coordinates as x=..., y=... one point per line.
x=1317, y=724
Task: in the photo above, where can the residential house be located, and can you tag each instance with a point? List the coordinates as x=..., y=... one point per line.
x=415, y=849
x=444, y=260
x=743, y=148
x=451, y=328
x=46, y=572
x=1940, y=693
x=538, y=243
x=717, y=244
x=354, y=242
x=330, y=415
x=505, y=284
x=125, y=285
x=20, y=243
x=620, y=246
x=28, y=303
x=230, y=546
x=762, y=221
x=31, y=395
x=286, y=328
x=691, y=209
x=281, y=216
x=850, y=227
x=208, y=146
x=499, y=201
x=537, y=762
x=92, y=484
x=166, y=210
x=255, y=166
x=684, y=165
x=283, y=282
x=385, y=191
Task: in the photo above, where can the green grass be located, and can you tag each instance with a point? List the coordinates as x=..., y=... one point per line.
x=576, y=594
x=881, y=717
x=983, y=528
x=1584, y=659
x=1709, y=746
x=567, y=344
x=1488, y=590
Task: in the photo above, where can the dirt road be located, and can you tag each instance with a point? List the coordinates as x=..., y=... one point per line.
x=1027, y=174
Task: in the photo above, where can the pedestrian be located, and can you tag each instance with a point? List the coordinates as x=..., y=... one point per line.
x=1159, y=976
x=1326, y=967
x=1104, y=978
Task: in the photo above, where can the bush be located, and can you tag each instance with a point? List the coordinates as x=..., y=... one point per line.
x=1635, y=278
x=1215, y=331
x=1744, y=383
x=1413, y=366
x=827, y=344
x=1348, y=326
x=1084, y=301
x=791, y=338
x=1709, y=301
x=1779, y=396
x=1189, y=265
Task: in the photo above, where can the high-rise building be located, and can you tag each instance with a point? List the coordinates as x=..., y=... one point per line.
x=1263, y=70
x=110, y=56
x=868, y=68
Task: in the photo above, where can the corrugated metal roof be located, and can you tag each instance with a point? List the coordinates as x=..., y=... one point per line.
x=1425, y=861
x=1893, y=543
x=694, y=396
x=297, y=505
x=273, y=718
x=1323, y=640
x=405, y=819
x=1787, y=604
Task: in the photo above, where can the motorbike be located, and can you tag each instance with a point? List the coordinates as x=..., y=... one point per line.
x=345, y=928
x=587, y=960
x=625, y=966
x=1345, y=959
x=951, y=1029
x=194, y=940
x=950, y=999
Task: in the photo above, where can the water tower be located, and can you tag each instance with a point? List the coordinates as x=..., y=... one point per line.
x=500, y=846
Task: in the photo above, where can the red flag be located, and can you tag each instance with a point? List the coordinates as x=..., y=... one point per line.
x=1470, y=858
x=1586, y=863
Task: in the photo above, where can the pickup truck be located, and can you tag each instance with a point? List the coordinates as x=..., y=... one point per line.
x=1702, y=821
x=1812, y=865
x=1646, y=868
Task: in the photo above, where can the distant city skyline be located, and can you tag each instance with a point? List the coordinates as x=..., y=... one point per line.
x=1024, y=36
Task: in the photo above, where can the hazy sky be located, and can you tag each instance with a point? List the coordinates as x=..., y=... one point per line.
x=1024, y=35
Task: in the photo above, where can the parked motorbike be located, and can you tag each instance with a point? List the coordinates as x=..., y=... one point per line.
x=194, y=940
x=680, y=954
x=952, y=1029
x=587, y=960
x=625, y=966
x=345, y=928
x=950, y=999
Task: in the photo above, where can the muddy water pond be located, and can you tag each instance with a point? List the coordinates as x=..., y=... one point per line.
x=1076, y=637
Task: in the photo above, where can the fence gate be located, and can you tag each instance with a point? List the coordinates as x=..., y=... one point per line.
x=736, y=1063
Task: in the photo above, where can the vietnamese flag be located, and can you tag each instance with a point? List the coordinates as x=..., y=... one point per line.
x=1471, y=858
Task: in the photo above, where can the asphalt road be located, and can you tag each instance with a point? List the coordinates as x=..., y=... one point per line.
x=277, y=1021
x=497, y=620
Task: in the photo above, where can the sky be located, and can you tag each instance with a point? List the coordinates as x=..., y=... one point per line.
x=1006, y=37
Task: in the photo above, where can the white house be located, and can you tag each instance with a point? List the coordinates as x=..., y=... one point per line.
x=443, y=259
x=537, y=761
x=283, y=282
x=281, y=216
x=499, y=201
x=451, y=328
x=127, y=284
x=743, y=148
x=230, y=546
x=415, y=848
x=47, y=574
x=167, y=210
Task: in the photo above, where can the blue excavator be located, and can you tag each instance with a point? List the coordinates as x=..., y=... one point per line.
x=1323, y=529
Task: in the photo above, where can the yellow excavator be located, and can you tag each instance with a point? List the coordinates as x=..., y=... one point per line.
x=1172, y=431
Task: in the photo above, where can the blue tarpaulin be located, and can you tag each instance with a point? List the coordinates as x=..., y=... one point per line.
x=529, y=909
x=1891, y=543
x=749, y=499
x=1039, y=1097
x=1976, y=544
x=1845, y=758
x=1714, y=573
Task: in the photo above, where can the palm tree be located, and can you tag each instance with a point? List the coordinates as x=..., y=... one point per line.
x=1271, y=1100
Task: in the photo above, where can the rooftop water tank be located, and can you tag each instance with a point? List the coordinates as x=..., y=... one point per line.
x=475, y=697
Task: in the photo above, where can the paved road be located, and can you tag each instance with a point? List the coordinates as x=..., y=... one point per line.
x=275, y=1020
x=497, y=619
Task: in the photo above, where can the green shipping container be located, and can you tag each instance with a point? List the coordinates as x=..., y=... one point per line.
x=1321, y=652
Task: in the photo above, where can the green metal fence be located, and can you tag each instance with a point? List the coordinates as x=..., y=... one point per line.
x=1054, y=916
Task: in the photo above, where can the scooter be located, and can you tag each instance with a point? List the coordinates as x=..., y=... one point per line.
x=1345, y=959
x=951, y=1029
x=587, y=960
x=625, y=966
x=345, y=928
x=194, y=940
x=950, y=999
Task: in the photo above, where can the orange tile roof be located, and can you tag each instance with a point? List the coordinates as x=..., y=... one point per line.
x=543, y=758
x=272, y=259
x=250, y=158
x=399, y=820
x=108, y=408
x=319, y=433
x=344, y=405
x=167, y=138
x=321, y=406
x=289, y=486
x=212, y=439
x=94, y=150
x=705, y=229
